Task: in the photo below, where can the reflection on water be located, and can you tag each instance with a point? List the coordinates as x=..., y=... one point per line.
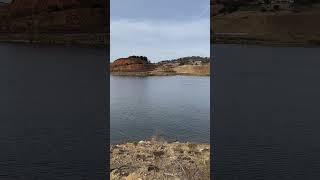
x=52, y=113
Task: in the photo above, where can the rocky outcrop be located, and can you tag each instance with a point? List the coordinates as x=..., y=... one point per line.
x=132, y=64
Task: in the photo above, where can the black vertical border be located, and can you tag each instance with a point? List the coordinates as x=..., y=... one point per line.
x=107, y=17
x=212, y=95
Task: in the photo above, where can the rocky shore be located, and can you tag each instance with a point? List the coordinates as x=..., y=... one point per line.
x=158, y=159
x=84, y=39
x=141, y=66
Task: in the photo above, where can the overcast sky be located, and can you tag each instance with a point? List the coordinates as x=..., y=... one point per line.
x=160, y=30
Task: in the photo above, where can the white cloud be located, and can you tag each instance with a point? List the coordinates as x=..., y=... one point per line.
x=160, y=40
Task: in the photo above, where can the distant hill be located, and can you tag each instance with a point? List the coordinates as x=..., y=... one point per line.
x=231, y=6
x=294, y=24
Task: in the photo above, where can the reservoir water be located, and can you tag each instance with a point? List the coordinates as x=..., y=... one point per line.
x=266, y=119
x=176, y=107
x=53, y=121
x=265, y=124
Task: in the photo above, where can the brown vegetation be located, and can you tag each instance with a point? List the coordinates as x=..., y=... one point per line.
x=160, y=160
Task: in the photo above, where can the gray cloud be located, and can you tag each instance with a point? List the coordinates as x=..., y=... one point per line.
x=159, y=39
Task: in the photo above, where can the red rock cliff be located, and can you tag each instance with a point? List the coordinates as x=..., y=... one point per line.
x=131, y=64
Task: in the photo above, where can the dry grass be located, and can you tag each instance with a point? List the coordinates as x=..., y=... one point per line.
x=160, y=160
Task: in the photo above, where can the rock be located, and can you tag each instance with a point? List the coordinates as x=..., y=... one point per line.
x=204, y=150
x=124, y=173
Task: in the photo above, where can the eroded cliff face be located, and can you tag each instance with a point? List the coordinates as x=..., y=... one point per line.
x=131, y=64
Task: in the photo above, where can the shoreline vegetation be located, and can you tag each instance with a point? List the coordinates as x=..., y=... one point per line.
x=158, y=159
x=78, y=40
x=141, y=66
x=255, y=42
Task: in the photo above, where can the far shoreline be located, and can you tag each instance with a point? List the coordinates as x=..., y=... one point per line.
x=157, y=139
x=63, y=41
x=129, y=74
x=78, y=45
x=213, y=42
x=265, y=43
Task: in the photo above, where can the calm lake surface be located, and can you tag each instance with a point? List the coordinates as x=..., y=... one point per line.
x=266, y=119
x=177, y=107
x=53, y=121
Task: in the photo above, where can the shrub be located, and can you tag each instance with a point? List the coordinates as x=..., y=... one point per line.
x=192, y=147
x=135, y=143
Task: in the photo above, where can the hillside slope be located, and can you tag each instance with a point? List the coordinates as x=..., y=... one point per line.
x=274, y=27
